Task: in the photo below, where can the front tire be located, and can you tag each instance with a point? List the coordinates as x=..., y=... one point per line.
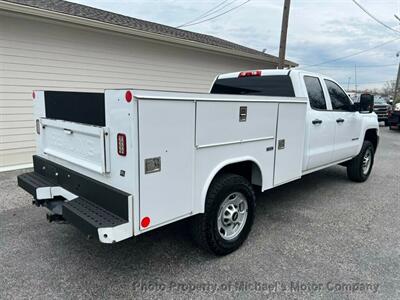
x=228, y=216
x=360, y=167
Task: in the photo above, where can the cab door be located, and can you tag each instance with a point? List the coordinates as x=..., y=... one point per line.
x=347, y=123
x=320, y=126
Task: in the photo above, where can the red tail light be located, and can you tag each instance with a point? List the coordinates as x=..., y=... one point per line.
x=250, y=73
x=121, y=144
x=128, y=96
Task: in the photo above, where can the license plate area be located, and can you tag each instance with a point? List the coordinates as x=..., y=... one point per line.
x=79, y=144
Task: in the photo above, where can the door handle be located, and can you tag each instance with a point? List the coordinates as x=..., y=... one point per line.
x=340, y=120
x=317, y=121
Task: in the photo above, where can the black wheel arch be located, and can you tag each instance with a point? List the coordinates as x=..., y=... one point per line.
x=247, y=168
x=372, y=136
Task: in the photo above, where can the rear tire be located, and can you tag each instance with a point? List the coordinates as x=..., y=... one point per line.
x=360, y=167
x=228, y=216
x=386, y=123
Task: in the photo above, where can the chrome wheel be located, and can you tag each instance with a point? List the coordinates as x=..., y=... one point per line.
x=366, y=162
x=232, y=216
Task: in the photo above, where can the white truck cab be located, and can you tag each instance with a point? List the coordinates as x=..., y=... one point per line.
x=335, y=128
x=120, y=163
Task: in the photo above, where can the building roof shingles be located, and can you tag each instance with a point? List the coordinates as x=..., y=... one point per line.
x=88, y=12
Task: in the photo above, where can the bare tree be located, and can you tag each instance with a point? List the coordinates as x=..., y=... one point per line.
x=388, y=88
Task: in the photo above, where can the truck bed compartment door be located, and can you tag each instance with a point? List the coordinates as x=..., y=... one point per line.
x=80, y=144
x=166, y=160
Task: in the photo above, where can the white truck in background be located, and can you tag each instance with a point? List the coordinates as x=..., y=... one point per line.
x=123, y=162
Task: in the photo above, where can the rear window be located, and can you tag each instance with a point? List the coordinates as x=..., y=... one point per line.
x=274, y=85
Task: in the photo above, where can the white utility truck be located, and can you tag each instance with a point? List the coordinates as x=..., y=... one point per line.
x=123, y=162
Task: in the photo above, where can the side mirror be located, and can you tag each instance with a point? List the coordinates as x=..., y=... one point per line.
x=366, y=103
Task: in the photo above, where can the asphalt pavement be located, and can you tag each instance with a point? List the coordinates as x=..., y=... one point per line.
x=322, y=236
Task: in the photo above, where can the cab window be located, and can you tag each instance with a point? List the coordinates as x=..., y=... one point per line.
x=315, y=93
x=269, y=85
x=339, y=99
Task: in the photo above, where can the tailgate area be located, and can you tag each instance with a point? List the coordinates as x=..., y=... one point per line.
x=93, y=207
x=81, y=144
x=71, y=127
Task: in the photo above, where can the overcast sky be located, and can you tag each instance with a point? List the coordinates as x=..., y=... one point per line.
x=319, y=30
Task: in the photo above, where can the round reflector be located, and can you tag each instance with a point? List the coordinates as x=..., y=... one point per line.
x=128, y=96
x=145, y=222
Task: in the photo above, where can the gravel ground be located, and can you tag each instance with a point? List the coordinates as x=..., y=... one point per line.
x=319, y=237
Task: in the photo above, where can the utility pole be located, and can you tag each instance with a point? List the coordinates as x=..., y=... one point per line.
x=397, y=85
x=284, y=29
x=355, y=77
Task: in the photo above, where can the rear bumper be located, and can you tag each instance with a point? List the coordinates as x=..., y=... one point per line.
x=97, y=209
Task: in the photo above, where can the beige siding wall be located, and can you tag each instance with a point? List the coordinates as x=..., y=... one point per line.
x=35, y=54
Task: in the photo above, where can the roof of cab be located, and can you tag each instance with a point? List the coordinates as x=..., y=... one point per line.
x=264, y=72
x=270, y=72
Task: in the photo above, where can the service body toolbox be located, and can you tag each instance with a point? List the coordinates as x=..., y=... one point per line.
x=123, y=162
x=127, y=161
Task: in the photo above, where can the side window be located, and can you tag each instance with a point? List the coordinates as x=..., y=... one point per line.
x=315, y=93
x=339, y=99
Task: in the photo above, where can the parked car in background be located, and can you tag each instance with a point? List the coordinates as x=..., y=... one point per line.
x=382, y=109
x=394, y=117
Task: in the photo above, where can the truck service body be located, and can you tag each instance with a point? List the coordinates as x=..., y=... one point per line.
x=123, y=162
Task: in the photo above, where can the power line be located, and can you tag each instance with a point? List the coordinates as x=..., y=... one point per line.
x=209, y=12
x=375, y=18
x=216, y=16
x=358, y=66
x=367, y=66
x=364, y=83
x=351, y=55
